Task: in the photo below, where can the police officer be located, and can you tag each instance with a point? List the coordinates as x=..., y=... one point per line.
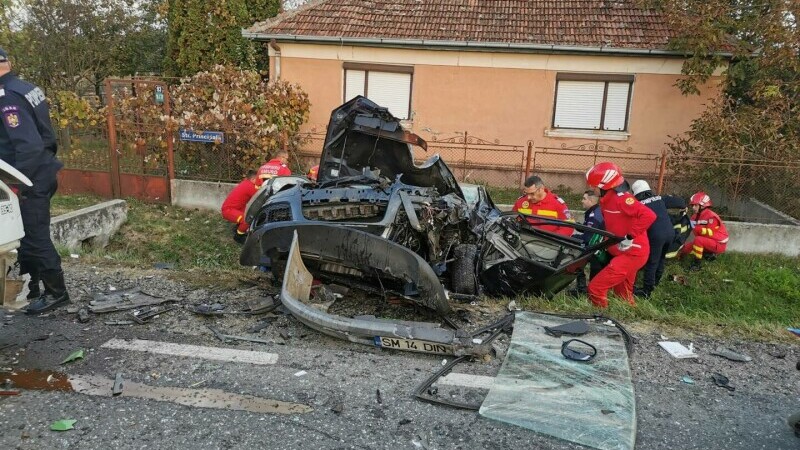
x=661, y=233
x=28, y=143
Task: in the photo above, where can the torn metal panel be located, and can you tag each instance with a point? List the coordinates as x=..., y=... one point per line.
x=398, y=269
x=429, y=339
x=123, y=300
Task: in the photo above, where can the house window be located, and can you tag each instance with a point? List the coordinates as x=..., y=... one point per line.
x=592, y=101
x=386, y=85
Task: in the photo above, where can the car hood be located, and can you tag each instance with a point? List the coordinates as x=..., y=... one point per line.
x=362, y=135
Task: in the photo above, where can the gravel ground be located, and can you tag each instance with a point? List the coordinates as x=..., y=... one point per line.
x=343, y=379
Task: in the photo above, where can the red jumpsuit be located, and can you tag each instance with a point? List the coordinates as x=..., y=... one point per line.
x=624, y=215
x=710, y=235
x=235, y=203
x=273, y=168
x=551, y=206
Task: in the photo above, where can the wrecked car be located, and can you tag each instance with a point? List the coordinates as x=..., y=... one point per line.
x=376, y=221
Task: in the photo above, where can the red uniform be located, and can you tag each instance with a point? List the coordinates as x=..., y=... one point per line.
x=710, y=235
x=273, y=168
x=551, y=206
x=233, y=208
x=624, y=215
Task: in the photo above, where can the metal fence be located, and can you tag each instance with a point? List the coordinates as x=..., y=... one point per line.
x=742, y=189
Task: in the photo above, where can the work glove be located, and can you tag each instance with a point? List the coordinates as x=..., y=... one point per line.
x=626, y=243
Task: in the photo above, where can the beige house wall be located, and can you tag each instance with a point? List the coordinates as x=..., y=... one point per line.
x=501, y=97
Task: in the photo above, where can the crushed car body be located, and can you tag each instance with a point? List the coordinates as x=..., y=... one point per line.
x=376, y=220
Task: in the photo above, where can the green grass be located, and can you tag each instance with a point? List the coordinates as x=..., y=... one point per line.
x=61, y=204
x=193, y=240
x=751, y=295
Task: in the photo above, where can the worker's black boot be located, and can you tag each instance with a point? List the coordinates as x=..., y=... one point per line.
x=643, y=292
x=34, y=291
x=55, y=293
x=695, y=266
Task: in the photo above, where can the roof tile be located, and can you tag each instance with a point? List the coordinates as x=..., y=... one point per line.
x=590, y=23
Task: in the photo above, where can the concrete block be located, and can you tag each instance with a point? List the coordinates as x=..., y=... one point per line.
x=746, y=237
x=94, y=225
x=200, y=194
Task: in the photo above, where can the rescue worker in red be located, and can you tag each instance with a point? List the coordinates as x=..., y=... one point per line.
x=710, y=234
x=624, y=216
x=537, y=200
x=233, y=208
x=275, y=167
x=312, y=173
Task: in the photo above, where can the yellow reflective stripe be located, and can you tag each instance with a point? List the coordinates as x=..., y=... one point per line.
x=697, y=248
x=238, y=219
x=525, y=211
x=698, y=255
x=547, y=213
x=709, y=231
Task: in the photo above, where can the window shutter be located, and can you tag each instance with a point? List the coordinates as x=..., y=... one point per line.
x=353, y=83
x=579, y=104
x=616, y=106
x=392, y=90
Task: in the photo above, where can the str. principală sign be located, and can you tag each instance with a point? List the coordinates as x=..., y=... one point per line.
x=214, y=137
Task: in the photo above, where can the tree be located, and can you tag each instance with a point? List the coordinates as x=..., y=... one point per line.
x=202, y=34
x=74, y=44
x=757, y=119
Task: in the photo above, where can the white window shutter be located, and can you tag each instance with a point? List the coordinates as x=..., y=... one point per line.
x=392, y=90
x=579, y=104
x=616, y=106
x=353, y=84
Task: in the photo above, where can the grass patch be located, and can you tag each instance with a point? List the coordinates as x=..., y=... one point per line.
x=196, y=241
x=755, y=296
x=748, y=295
x=62, y=204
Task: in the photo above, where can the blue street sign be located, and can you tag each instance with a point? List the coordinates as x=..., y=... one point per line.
x=217, y=137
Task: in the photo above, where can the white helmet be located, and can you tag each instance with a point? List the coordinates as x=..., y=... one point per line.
x=640, y=186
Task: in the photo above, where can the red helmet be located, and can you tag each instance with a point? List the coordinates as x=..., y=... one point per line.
x=312, y=173
x=700, y=198
x=604, y=175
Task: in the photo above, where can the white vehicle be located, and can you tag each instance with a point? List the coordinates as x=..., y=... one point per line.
x=11, y=230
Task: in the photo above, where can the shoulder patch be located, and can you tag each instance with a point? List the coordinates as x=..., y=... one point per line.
x=526, y=204
x=561, y=200
x=620, y=194
x=629, y=201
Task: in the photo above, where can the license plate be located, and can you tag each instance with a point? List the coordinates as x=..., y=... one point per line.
x=414, y=345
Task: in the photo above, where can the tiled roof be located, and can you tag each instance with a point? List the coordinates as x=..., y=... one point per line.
x=579, y=23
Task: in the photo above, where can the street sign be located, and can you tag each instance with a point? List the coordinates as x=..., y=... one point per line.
x=214, y=137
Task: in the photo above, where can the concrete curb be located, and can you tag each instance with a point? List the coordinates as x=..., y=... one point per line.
x=93, y=225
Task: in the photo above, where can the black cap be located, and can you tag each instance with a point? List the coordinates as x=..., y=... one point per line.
x=3, y=55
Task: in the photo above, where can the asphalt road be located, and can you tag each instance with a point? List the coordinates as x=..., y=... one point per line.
x=359, y=396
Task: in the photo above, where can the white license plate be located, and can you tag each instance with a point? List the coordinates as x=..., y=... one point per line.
x=414, y=345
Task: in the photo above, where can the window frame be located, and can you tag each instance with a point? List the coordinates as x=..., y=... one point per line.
x=367, y=68
x=596, y=77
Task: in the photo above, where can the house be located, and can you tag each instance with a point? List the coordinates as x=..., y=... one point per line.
x=573, y=77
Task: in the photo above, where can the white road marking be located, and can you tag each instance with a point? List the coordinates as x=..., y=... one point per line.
x=193, y=351
x=467, y=380
x=199, y=398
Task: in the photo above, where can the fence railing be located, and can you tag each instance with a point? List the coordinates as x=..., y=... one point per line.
x=747, y=189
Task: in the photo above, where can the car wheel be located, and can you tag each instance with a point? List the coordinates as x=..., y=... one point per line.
x=463, y=277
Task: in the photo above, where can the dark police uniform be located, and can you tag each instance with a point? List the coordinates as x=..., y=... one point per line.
x=592, y=217
x=28, y=143
x=661, y=234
